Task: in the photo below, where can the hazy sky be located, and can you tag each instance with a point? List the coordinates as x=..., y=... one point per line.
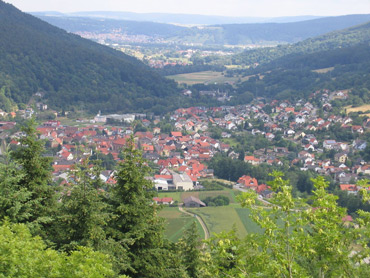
x=260, y=8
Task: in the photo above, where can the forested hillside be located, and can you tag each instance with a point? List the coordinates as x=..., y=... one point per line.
x=336, y=61
x=73, y=72
x=333, y=40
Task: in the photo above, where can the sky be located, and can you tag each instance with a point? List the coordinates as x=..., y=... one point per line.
x=247, y=8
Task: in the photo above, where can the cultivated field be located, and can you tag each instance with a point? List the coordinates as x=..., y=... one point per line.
x=177, y=223
x=324, y=70
x=206, y=77
x=217, y=219
x=223, y=219
x=362, y=108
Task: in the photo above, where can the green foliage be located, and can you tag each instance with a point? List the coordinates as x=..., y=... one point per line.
x=189, y=247
x=22, y=255
x=232, y=169
x=14, y=199
x=217, y=201
x=298, y=241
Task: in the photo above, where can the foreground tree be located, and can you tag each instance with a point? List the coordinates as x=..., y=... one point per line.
x=297, y=240
x=33, y=179
x=23, y=255
x=83, y=215
x=135, y=223
x=190, y=250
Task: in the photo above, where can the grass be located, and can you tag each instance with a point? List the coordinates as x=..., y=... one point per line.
x=249, y=225
x=176, y=196
x=177, y=223
x=196, y=77
x=230, y=141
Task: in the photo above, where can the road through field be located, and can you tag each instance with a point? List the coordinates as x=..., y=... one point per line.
x=200, y=220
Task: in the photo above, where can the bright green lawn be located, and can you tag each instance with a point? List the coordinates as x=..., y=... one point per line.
x=176, y=196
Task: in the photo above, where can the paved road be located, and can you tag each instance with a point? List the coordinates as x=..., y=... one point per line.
x=200, y=220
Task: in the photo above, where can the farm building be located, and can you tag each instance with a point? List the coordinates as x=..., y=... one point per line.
x=193, y=202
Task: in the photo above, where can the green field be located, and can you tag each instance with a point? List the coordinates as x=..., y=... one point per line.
x=205, y=77
x=217, y=219
x=177, y=222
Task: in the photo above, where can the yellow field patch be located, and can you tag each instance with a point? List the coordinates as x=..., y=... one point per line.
x=362, y=108
x=324, y=70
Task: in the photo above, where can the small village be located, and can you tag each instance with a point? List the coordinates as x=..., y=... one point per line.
x=179, y=155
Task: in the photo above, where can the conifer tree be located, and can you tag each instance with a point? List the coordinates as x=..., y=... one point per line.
x=35, y=170
x=14, y=199
x=190, y=250
x=83, y=214
x=135, y=223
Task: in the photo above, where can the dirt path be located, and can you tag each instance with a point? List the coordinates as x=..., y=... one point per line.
x=200, y=220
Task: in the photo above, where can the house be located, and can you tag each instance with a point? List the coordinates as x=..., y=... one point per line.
x=193, y=202
x=163, y=201
x=161, y=184
x=248, y=182
x=329, y=144
x=182, y=181
x=350, y=188
x=252, y=160
x=340, y=157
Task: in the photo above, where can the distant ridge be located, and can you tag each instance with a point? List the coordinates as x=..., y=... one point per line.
x=186, y=19
x=222, y=34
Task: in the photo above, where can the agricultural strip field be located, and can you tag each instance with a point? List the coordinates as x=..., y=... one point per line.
x=221, y=219
x=180, y=196
x=177, y=223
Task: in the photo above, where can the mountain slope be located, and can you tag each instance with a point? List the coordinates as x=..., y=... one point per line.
x=73, y=72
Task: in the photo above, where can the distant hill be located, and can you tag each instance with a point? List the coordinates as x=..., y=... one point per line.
x=185, y=19
x=226, y=34
x=336, y=61
x=86, y=24
x=329, y=41
x=73, y=72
